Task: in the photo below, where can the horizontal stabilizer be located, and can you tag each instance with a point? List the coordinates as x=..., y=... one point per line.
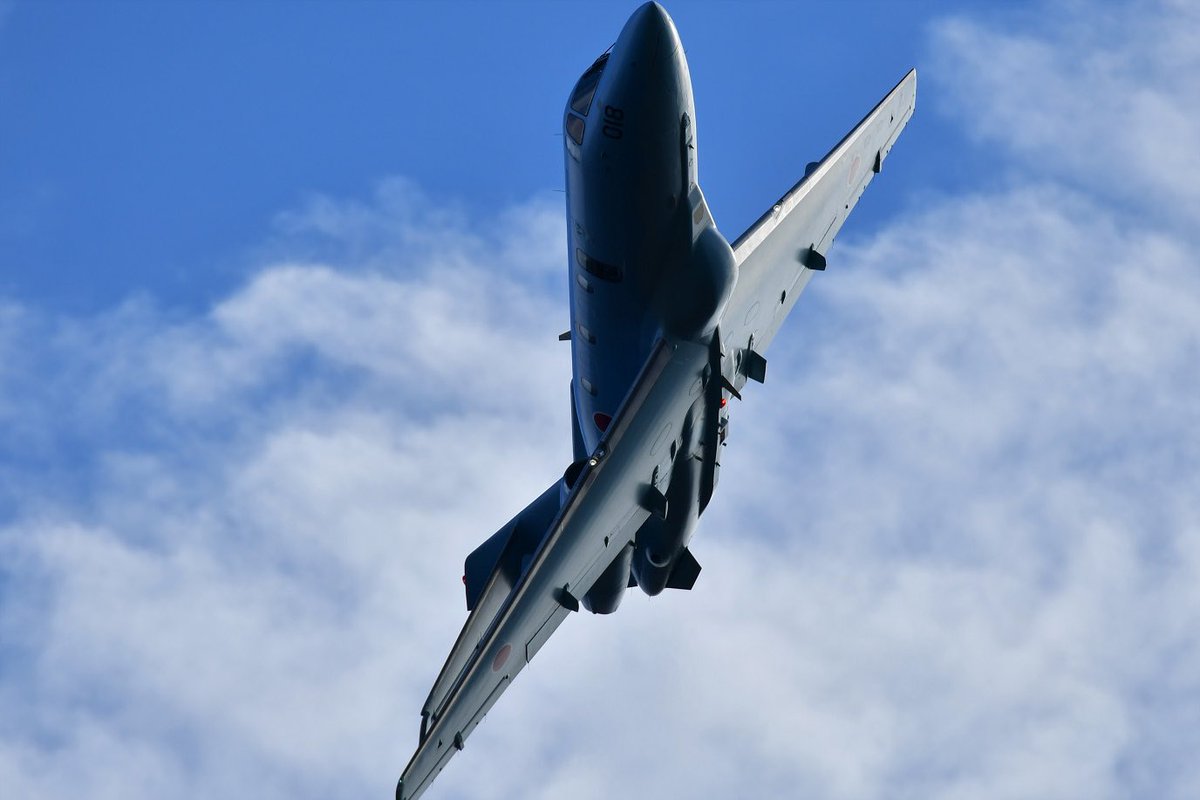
x=685, y=572
x=499, y=561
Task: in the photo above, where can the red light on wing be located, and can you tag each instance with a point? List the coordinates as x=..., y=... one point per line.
x=501, y=658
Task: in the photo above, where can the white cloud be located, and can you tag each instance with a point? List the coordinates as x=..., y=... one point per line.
x=230, y=589
x=953, y=553
x=1103, y=95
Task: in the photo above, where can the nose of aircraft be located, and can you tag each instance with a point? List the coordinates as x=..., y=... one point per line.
x=649, y=35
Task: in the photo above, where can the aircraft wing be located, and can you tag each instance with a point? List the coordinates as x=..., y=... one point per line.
x=600, y=516
x=778, y=254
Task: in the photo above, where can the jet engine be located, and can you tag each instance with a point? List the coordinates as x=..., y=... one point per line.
x=609, y=589
x=661, y=559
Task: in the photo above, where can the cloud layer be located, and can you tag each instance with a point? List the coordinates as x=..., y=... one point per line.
x=953, y=554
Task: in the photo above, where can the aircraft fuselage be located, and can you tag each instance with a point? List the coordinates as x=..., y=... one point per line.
x=646, y=260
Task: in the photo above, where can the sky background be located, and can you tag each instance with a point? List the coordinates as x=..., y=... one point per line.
x=280, y=286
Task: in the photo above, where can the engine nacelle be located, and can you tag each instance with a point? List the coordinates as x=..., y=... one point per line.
x=661, y=541
x=607, y=592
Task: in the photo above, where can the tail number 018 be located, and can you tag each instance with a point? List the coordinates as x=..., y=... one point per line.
x=614, y=122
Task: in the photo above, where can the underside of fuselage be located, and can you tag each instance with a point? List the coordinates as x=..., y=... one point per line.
x=646, y=263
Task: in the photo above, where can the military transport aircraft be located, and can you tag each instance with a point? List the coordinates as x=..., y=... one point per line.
x=668, y=322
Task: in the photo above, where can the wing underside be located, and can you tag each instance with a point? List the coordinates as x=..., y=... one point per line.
x=779, y=253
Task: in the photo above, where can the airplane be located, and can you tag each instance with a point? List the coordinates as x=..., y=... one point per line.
x=669, y=321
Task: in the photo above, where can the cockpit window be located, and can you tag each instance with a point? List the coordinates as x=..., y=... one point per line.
x=581, y=98
x=585, y=89
x=574, y=127
x=598, y=268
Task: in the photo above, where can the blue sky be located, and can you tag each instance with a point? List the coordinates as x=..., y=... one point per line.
x=279, y=294
x=148, y=146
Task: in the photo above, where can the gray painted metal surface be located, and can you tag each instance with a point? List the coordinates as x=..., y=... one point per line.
x=669, y=321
